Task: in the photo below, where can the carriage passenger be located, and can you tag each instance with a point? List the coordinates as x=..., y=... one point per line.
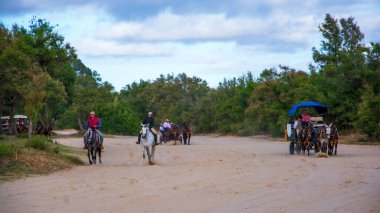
x=150, y=121
x=94, y=122
x=306, y=119
x=162, y=128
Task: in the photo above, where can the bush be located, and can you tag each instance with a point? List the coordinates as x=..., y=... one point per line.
x=22, y=135
x=5, y=150
x=38, y=142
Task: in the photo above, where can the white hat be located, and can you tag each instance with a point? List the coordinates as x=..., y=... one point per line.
x=92, y=112
x=149, y=113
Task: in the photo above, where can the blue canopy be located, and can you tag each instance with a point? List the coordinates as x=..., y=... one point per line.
x=317, y=106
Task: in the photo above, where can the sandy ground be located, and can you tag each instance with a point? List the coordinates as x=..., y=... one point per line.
x=214, y=174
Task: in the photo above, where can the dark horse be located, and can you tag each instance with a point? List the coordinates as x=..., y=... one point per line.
x=186, y=132
x=41, y=130
x=304, y=137
x=333, y=136
x=93, y=143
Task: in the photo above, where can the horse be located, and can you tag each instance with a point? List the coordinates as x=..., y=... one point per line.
x=305, y=135
x=333, y=136
x=147, y=143
x=321, y=140
x=93, y=144
x=176, y=134
x=171, y=134
x=186, y=132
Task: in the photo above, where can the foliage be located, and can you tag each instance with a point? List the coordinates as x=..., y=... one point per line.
x=39, y=142
x=40, y=75
x=5, y=150
x=368, y=113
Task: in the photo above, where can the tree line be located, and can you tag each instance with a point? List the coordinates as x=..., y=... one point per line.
x=42, y=76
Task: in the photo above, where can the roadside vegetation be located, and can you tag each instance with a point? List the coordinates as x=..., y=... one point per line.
x=41, y=76
x=20, y=157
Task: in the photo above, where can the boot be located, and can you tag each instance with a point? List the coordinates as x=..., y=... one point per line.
x=155, y=139
x=138, y=139
x=85, y=146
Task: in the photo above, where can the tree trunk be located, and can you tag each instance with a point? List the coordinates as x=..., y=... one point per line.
x=30, y=128
x=46, y=116
x=12, y=129
x=81, y=128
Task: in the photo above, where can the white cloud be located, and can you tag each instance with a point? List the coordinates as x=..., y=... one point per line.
x=168, y=26
x=96, y=47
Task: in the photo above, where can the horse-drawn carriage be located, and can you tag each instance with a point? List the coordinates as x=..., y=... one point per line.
x=176, y=134
x=315, y=136
x=170, y=134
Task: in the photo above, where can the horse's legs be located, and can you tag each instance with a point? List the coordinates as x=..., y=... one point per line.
x=100, y=155
x=149, y=155
x=153, y=150
x=88, y=154
x=94, y=155
x=188, y=142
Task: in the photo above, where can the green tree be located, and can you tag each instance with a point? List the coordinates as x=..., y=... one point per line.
x=369, y=114
x=341, y=61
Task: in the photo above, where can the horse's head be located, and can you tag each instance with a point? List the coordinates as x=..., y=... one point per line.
x=328, y=130
x=144, y=130
x=89, y=135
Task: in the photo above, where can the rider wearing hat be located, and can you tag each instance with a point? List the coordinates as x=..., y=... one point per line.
x=167, y=125
x=150, y=121
x=94, y=122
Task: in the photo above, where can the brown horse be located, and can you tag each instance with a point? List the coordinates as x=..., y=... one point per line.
x=171, y=134
x=186, y=132
x=333, y=136
x=304, y=137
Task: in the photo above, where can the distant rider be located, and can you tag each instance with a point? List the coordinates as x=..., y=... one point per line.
x=93, y=122
x=150, y=121
x=167, y=125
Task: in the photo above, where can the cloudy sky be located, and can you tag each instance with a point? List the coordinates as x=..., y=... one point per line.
x=129, y=40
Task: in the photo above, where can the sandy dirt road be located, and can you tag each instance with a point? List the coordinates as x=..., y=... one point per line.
x=214, y=174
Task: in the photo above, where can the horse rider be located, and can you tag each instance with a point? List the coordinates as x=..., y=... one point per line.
x=167, y=125
x=150, y=121
x=93, y=122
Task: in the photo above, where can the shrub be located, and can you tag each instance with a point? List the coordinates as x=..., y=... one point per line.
x=5, y=150
x=38, y=142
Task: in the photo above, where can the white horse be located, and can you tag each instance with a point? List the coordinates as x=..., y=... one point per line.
x=147, y=143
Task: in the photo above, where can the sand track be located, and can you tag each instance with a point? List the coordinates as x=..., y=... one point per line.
x=223, y=174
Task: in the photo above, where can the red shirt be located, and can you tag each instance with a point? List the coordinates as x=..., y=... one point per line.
x=93, y=122
x=306, y=118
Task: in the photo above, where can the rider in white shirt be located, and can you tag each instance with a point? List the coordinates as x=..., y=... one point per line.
x=167, y=125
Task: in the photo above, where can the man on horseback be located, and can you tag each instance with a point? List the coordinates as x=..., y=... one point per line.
x=150, y=121
x=94, y=122
x=167, y=125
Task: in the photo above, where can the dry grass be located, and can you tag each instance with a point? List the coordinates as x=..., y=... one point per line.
x=31, y=161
